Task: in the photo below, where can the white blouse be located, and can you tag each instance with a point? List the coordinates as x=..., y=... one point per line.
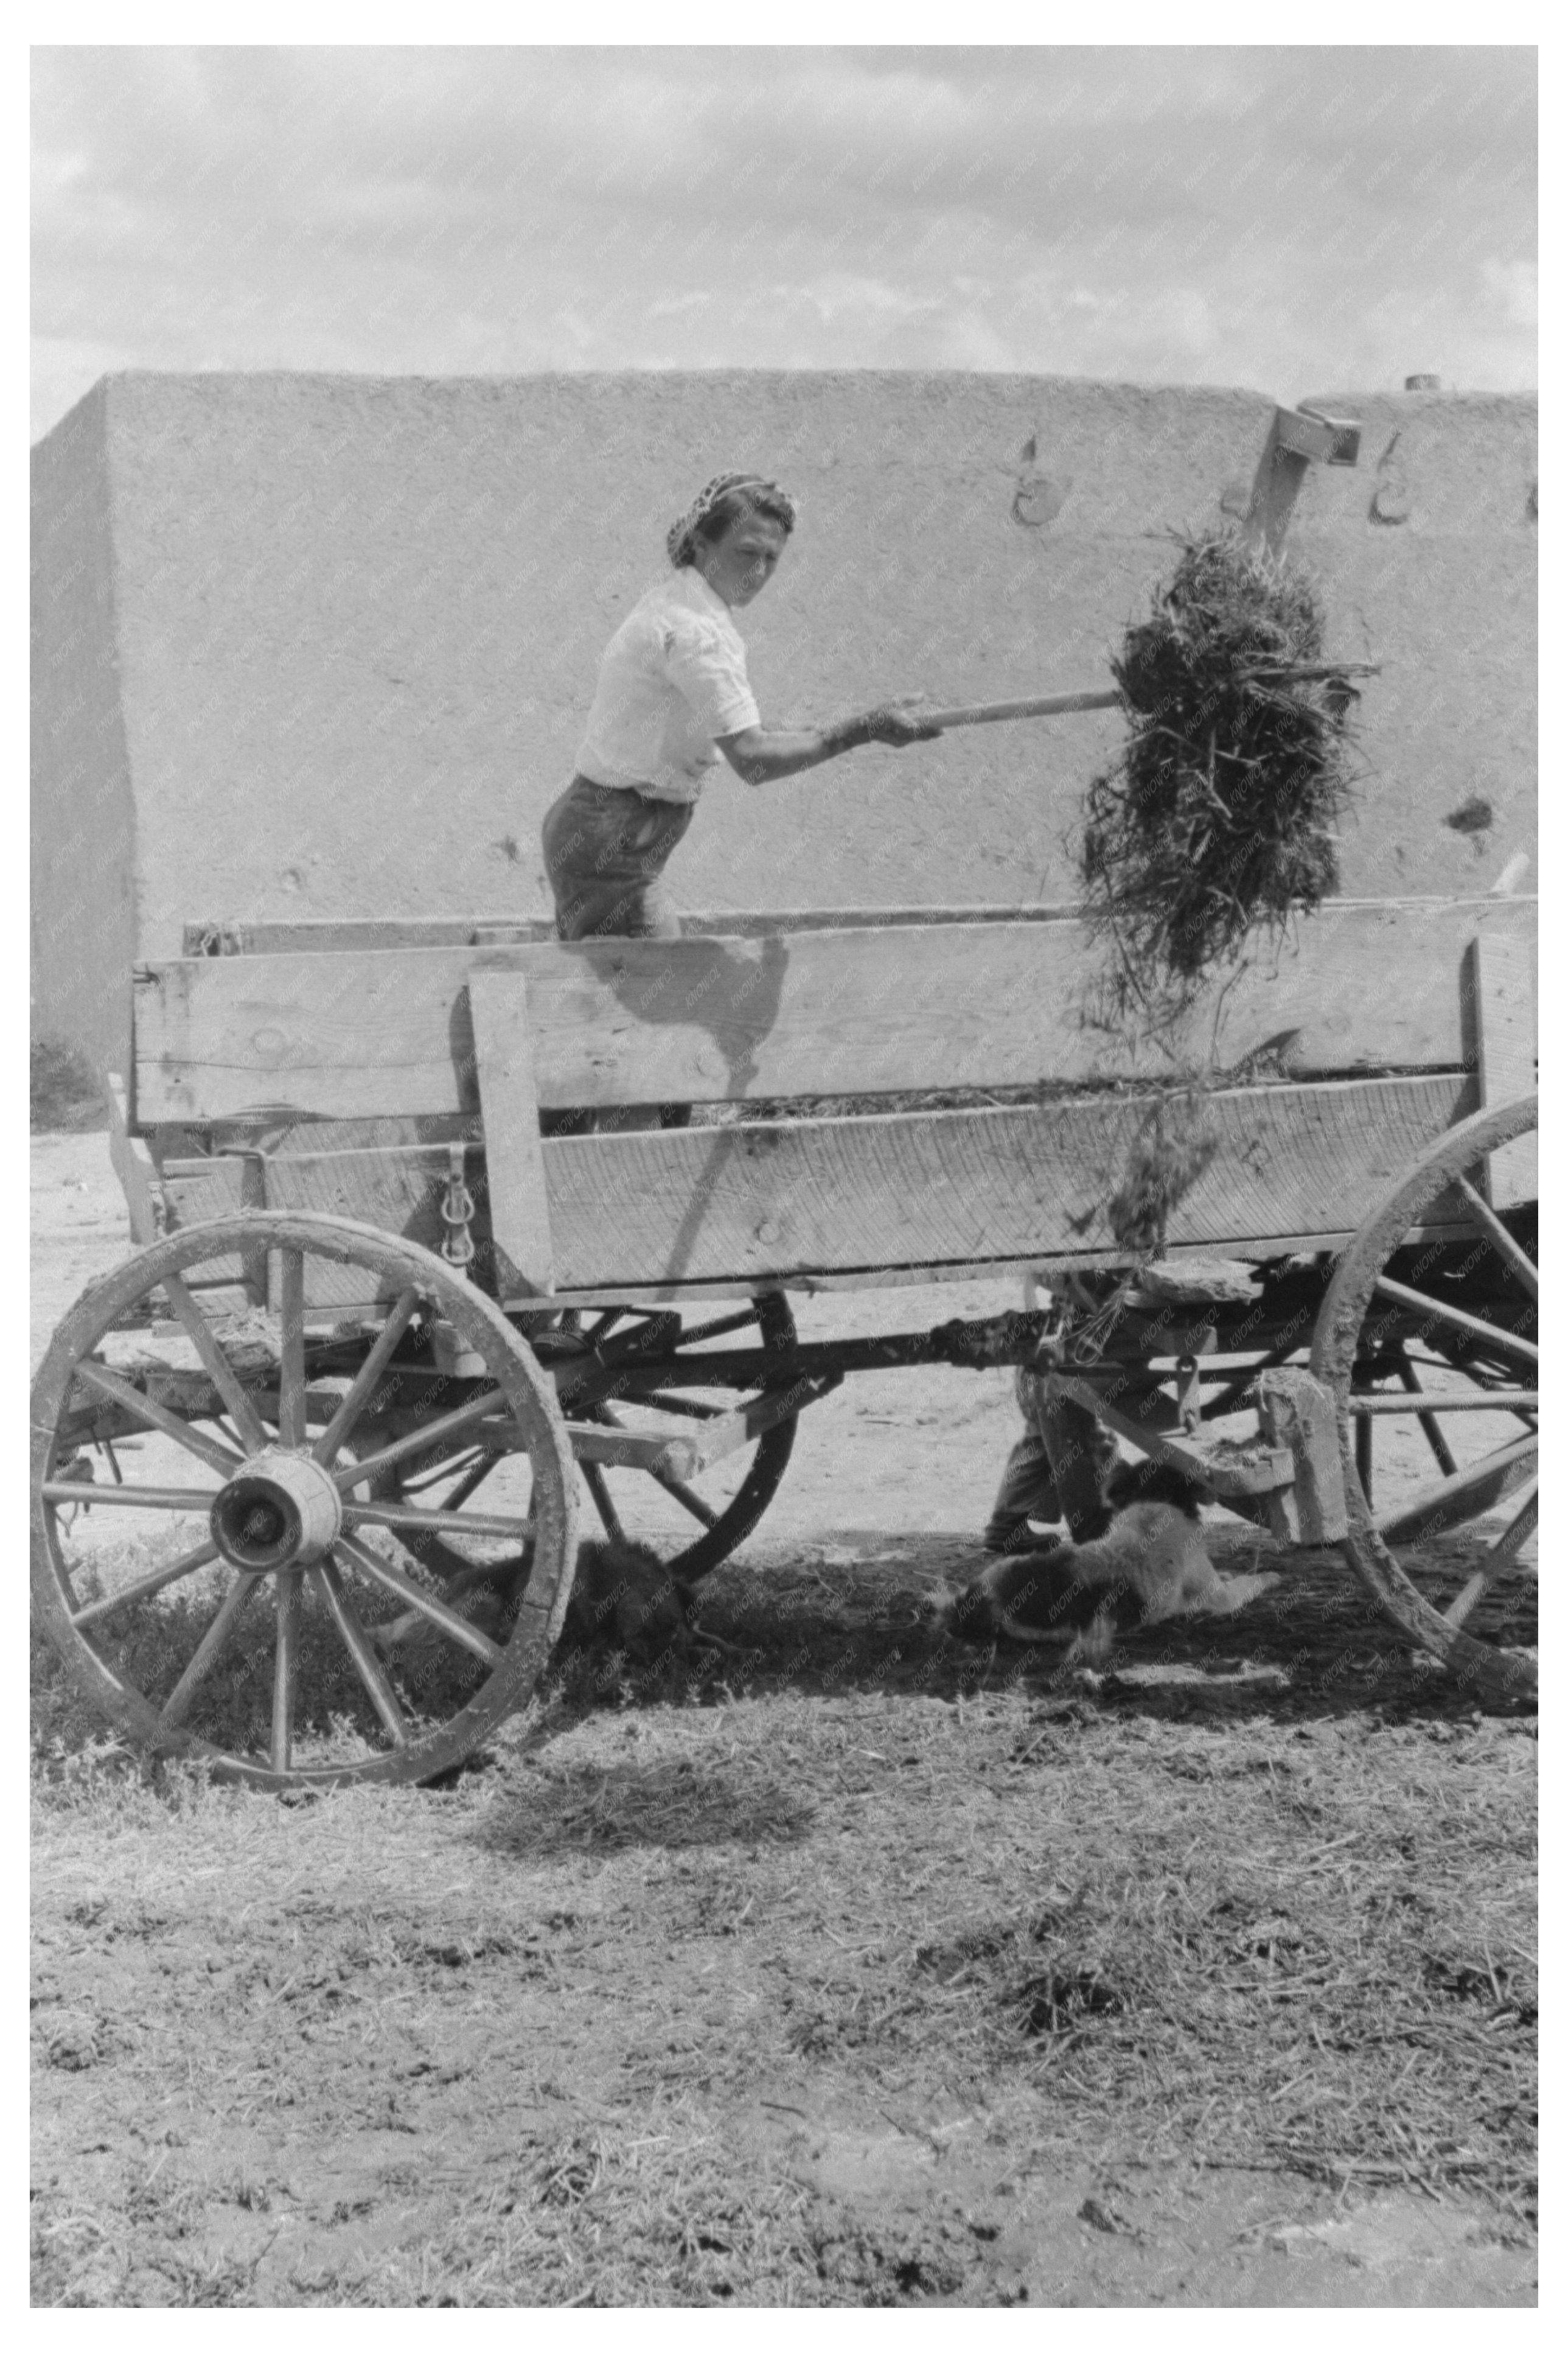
x=672, y=678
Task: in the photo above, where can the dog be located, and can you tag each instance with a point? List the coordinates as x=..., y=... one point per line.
x=625, y=1601
x=625, y=1606
x=1146, y=1561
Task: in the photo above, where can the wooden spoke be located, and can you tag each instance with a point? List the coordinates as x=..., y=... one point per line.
x=1363, y=1457
x=476, y=1470
x=471, y=1481
x=720, y=1325
x=290, y=1384
x=357, y=1642
x=686, y=1405
x=1502, y=1241
x=250, y=1428
x=603, y=1326
x=1459, y=1317
x=336, y=1433
x=1433, y=1436
x=393, y=1631
x=157, y=1417
x=154, y=1582
x=126, y=1497
x=285, y=1660
x=150, y=1655
x=438, y=1524
x=598, y=1487
x=177, y=1706
x=1367, y=1318
x=687, y=1497
x=1454, y=1492
x=1498, y=1556
x=421, y=1441
x=370, y=1564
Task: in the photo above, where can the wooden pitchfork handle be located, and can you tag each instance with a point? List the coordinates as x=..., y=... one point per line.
x=1051, y=706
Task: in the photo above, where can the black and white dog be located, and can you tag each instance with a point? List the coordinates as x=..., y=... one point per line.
x=1146, y=1561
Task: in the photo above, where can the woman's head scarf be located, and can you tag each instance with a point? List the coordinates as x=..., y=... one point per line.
x=681, y=537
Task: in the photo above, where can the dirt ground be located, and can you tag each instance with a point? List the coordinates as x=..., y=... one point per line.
x=856, y=1979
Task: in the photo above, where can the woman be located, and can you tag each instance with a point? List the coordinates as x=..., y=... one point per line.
x=673, y=697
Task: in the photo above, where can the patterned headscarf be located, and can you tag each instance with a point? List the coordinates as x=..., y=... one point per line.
x=681, y=537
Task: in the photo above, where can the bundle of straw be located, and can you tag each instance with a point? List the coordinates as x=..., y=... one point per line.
x=1219, y=815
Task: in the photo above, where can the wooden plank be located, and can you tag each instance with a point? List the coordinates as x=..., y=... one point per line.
x=806, y=1283
x=397, y=1188
x=1367, y=985
x=133, y=1165
x=520, y=1204
x=1264, y=1472
x=1297, y=1413
x=1500, y=1005
x=313, y=1135
x=333, y=936
x=640, y=1449
x=924, y=1189
x=674, y=1450
x=690, y=1451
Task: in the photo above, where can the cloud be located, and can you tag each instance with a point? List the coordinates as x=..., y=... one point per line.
x=1513, y=289
x=1253, y=215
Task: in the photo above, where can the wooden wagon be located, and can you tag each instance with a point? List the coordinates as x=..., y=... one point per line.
x=394, y=1323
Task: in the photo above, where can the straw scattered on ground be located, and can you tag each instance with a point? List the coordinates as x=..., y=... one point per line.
x=798, y=1991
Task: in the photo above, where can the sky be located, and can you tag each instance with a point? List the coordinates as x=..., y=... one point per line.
x=1288, y=219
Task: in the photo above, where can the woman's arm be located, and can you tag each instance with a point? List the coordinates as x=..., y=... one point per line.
x=760, y=755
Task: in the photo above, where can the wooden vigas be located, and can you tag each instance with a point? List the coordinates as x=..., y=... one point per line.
x=277, y=1049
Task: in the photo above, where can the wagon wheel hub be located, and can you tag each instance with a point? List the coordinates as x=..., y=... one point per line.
x=282, y=1511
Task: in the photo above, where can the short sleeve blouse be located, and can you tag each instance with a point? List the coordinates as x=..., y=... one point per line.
x=672, y=680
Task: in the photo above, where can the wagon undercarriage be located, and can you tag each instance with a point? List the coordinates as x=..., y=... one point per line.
x=309, y=1490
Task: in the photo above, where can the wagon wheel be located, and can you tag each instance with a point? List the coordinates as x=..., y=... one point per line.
x=222, y=1599
x=1453, y=1323
x=695, y=1525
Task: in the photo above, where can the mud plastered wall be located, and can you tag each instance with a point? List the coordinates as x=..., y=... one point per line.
x=315, y=646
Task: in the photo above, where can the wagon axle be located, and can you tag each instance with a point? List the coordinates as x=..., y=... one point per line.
x=340, y=1435
x=283, y=1511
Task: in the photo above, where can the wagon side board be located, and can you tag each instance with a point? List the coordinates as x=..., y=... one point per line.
x=1498, y=1000
x=855, y=1199
x=1364, y=987
x=932, y=1188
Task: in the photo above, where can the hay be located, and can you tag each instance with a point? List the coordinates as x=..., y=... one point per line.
x=1219, y=816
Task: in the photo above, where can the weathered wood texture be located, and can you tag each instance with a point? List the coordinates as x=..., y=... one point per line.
x=926, y=1189
x=1297, y=1413
x=133, y=1164
x=323, y=933
x=959, y=1190
x=1499, y=995
x=1367, y=985
x=398, y=1187
x=520, y=1203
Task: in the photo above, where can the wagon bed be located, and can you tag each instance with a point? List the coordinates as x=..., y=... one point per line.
x=377, y=1274
x=1391, y=1016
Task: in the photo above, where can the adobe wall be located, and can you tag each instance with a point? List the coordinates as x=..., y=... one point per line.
x=356, y=622
x=82, y=923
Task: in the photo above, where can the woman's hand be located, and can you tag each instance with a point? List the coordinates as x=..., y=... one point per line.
x=899, y=723
x=759, y=755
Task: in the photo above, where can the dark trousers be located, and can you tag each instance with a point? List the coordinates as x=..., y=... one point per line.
x=1028, y=1489
x=605, y=849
